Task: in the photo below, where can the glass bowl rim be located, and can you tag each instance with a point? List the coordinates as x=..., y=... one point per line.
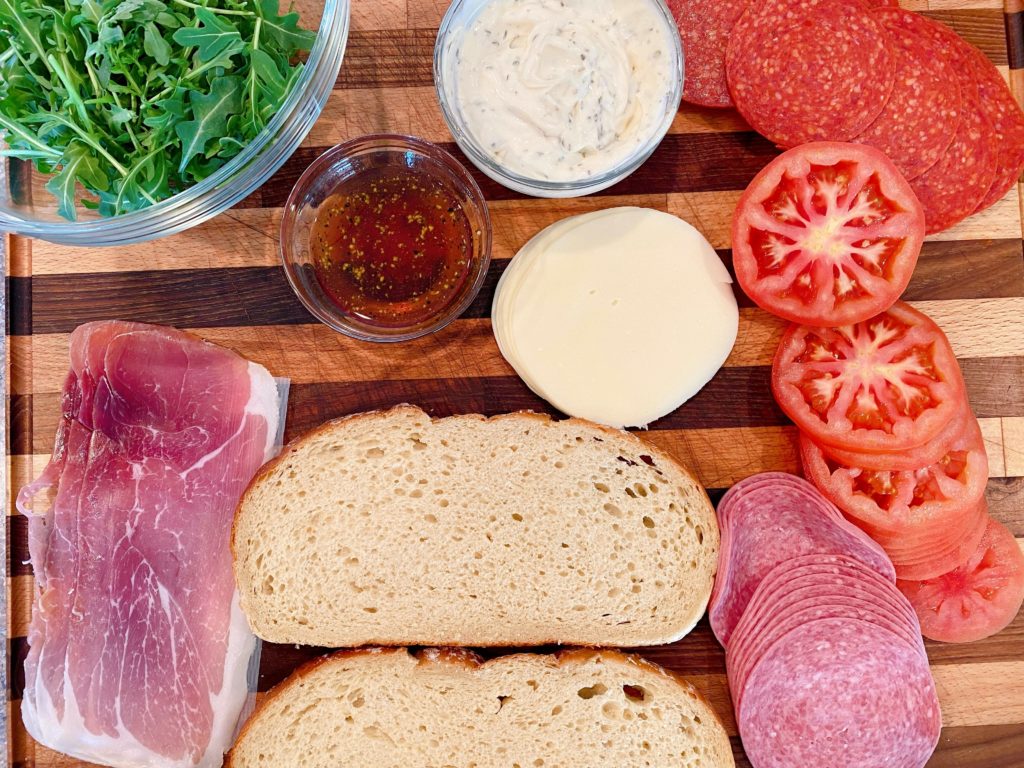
x=475, y=153
x=392, y=143
x=237, y=179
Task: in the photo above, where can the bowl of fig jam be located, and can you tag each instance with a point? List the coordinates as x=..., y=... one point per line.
x=386, y=238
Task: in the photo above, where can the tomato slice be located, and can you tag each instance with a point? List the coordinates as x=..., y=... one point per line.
x=976, y=600
x=921, y=456
x=827, y=234
x=938, y=496
x=885, y=385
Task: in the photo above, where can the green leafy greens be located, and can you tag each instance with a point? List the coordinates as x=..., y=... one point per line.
x=136, y=100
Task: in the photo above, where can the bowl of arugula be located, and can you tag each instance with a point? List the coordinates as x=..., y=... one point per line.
x=128, y=120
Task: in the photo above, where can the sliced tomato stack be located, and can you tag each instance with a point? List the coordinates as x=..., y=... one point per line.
x=888, y=436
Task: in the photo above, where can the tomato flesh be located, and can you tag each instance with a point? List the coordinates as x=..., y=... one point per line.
x=936, y=495
x=977, y=599
x=885, y=385
x=827, y=234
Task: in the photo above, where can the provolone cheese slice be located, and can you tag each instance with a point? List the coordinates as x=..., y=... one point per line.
x=618, y=316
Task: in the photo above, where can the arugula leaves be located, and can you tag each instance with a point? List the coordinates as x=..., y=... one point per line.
x=133, y=101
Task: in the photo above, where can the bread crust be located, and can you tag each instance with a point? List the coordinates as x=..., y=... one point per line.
x=470, y=661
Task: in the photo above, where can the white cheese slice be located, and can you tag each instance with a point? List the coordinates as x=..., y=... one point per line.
x=618, y=316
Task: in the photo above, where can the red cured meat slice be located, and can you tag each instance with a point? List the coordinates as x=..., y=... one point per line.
x=159, y=436
x=766, y=523
x=923, y=112
x=1007, y=121
x=809, y=70
x=958, y=183
x=840, y=693
x=704, y=26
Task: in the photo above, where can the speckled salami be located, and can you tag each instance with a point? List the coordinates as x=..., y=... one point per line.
x=795, y=594
x=922, y=115
x=767, y=521
x=958, y=183
x=809, y=70
x=840, y=693
x=704, y=26
x=1007, y=121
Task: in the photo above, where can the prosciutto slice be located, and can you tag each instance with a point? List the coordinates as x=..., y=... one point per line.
x=139, y=651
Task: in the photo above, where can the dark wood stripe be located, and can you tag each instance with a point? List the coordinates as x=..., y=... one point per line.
x=394, y=58
x=685, y=162
x=18, y=317
x=735, y=397
x=20, y=412
x=1015, y=39
x=17, y=545
x=257, y=296
x=403, y=58
x=17, y=650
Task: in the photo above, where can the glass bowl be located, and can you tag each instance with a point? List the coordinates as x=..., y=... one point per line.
x=460, y=15
x=26, y=208
x=346, y=161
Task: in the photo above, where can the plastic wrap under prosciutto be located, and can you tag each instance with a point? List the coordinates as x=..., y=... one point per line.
x=138, y=649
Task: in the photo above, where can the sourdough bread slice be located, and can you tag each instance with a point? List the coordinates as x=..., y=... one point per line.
x=388, y=709
x=388, y=528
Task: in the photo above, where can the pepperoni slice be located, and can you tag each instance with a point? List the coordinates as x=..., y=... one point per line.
x=809, y=70
x=827, y=234
x=959, y=182
x=923, y=112
x=884, y=385
x=1007, y=121
x=704, y=26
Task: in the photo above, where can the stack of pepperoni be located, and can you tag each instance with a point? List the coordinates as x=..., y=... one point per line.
x=824, y=654
x=846, y=70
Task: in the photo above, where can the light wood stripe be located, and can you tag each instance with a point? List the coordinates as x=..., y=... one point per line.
x=719, y=457
x=977, y=328
x=249, y=237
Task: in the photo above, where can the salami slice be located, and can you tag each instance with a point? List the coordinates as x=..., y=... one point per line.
x=922, y=115
x=793, y=594
x=840, y=693
x=959, y=182
x=704, y=26
x=809, y=70
x=1007, y=121
x=768, y=522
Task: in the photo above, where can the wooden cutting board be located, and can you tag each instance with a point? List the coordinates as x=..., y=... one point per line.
x=222, y=281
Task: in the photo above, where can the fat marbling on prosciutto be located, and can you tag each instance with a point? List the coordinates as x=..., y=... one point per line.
x=138, y=649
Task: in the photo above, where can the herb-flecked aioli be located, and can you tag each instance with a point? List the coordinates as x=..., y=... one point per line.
x=563, y=90
x=392, y=246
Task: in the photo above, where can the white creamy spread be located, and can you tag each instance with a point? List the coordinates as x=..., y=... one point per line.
x=565, y=90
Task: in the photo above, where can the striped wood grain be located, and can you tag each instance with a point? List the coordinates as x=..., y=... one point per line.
x=970, y=279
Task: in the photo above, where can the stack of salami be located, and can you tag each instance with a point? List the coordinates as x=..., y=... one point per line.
x=824, y=654
x=846, y=70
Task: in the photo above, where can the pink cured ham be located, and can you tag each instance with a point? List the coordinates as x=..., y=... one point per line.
x=138, y=649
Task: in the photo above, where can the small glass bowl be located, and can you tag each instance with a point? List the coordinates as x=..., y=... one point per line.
x=323, y=178
x=460, y=15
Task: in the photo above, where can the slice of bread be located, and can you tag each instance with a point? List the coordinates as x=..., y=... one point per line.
x=388, y=528
x=442, y=709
